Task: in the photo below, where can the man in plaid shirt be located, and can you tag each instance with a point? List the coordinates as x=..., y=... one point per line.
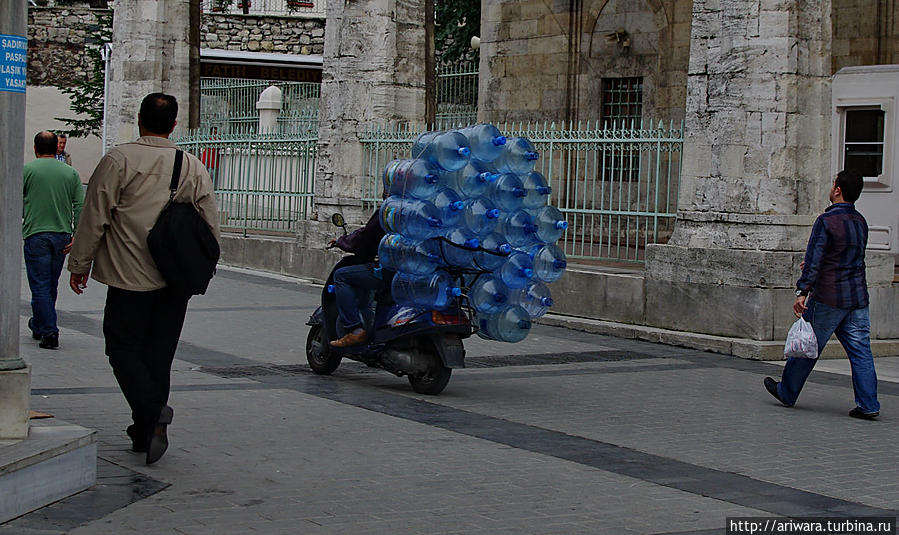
x=832, y=295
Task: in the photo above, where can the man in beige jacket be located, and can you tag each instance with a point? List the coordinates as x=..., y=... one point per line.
x=143, y=317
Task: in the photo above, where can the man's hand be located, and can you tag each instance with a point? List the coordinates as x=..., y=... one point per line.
x=799, y=306
x=78, y=282
x=67, y=248
x=332, y=244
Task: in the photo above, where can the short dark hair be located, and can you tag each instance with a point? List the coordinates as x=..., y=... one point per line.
x=45, y=143
x=850, y=183
x=158, y=112
x=62, y=136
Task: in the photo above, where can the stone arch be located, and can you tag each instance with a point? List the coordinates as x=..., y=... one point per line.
x=648, y=26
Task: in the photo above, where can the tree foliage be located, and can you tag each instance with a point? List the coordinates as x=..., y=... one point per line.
x=86, y=95
x=457, y=21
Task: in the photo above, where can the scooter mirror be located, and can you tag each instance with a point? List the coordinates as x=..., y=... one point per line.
x=337, y=220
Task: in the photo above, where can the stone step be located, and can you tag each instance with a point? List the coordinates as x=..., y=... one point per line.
x=57, y=459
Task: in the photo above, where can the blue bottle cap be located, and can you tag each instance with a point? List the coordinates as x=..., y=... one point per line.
x=531, y=155
x=527, y=272
x=330, y=288
x=499, y=140
x=559, y=264
x=455, y=292
x=519, y=192
x=547, y=301
x=457, y=205
x=493, y=177
x=472, y=243
x=484, y=177
x=493, y=213
x=561, y=225
x=544, y=190
x=465, y=152
x=504, y=248
x=431, y=178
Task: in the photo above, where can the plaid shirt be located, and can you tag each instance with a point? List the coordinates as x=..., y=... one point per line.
x=834, y=270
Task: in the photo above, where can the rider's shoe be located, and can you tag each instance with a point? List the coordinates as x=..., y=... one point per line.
x=351, y=339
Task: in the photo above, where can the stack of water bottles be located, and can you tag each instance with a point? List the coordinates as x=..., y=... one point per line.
x=467, y=218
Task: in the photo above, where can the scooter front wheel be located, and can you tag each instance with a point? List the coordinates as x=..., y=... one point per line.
x=322, y=361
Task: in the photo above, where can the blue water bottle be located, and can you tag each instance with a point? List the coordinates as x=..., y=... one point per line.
x=537, y=191
x=518, y=157
x=480, y=216
x=507, y=192
x=519, y=229
x=397, y=253
x=459, y=248
x=535, y=298
x=496, y=244
x=470, y=182
x=451, y=207
x=517, y=270
x=417, y=179
x=447, y=150
x=435, y=291
x=414, y=219
x=486, y=141
x=509, y=324
x=551, y=224
x=549, y=262
x=488, y=294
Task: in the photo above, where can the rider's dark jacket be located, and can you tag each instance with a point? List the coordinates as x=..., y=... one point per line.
x=364, y=242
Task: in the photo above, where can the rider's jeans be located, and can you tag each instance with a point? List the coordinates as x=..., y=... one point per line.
x=353, y=287
x=853, y=330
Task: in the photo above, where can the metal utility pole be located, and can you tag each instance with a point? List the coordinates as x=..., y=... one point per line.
x=13, y=50
x=193, y=119
x=430, y=66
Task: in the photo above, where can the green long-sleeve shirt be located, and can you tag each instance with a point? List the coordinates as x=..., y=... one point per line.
x=52, y=195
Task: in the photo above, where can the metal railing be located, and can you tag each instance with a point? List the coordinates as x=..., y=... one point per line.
x=457, y=94
x=229, y=105
x=263, y=184
x=265, y=7
x=616, y=184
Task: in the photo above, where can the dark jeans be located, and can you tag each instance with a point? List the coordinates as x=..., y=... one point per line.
x=43, y=264
x=353, y=287
x=853, y=330
x=142, y=331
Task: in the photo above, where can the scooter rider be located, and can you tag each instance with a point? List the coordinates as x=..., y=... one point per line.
x=353, y=284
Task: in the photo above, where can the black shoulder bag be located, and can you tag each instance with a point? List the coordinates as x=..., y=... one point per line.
x=182, y=244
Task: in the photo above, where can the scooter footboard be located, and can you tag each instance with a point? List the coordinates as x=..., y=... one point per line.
x=449, y=347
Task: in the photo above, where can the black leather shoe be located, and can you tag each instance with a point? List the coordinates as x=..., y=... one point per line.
x=771, y=387
x=858, y=413
x=49, y=341
x=159, y=440
x=34, y=335
x=138, y=438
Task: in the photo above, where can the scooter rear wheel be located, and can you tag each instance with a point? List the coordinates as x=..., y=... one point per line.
x=322, y=361
x=435, y=380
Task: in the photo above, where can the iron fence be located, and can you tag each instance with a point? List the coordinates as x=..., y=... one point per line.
x=263, y=184
x=265, y=7
x=457, y=94
x=615, y=184
x=229, y=105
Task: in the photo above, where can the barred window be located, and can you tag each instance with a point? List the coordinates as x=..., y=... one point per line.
x=863, y=140
x=622, y=101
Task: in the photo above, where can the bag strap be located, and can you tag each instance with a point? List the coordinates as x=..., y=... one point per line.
x=176, y=173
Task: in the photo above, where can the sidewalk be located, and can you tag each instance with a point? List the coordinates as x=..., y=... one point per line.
x=564, y=433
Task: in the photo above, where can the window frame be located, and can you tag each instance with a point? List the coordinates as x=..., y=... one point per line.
x=886, y=105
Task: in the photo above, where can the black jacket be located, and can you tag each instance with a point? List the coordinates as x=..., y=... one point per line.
x=364, y=242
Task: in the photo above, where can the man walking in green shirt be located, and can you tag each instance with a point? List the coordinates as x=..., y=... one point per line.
x=53, y=196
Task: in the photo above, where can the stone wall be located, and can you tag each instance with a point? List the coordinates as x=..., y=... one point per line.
x=57, y=37
x=865, y=33
x=56, y=40
x=542, y=61
x=263, y=34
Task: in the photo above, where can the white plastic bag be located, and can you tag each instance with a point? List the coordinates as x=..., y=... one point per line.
x=801, y=341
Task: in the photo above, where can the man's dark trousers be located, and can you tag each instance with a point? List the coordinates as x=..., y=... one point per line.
x=142, y=331
x=43, y=264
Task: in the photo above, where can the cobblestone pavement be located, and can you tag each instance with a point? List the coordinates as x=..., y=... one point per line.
x=564, y=433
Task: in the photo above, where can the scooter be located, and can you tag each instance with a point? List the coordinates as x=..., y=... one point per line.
x=422, y=345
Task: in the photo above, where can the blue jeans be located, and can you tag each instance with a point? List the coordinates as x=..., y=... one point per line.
x=853, y=330
x=43, y=264
x=353, y=286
